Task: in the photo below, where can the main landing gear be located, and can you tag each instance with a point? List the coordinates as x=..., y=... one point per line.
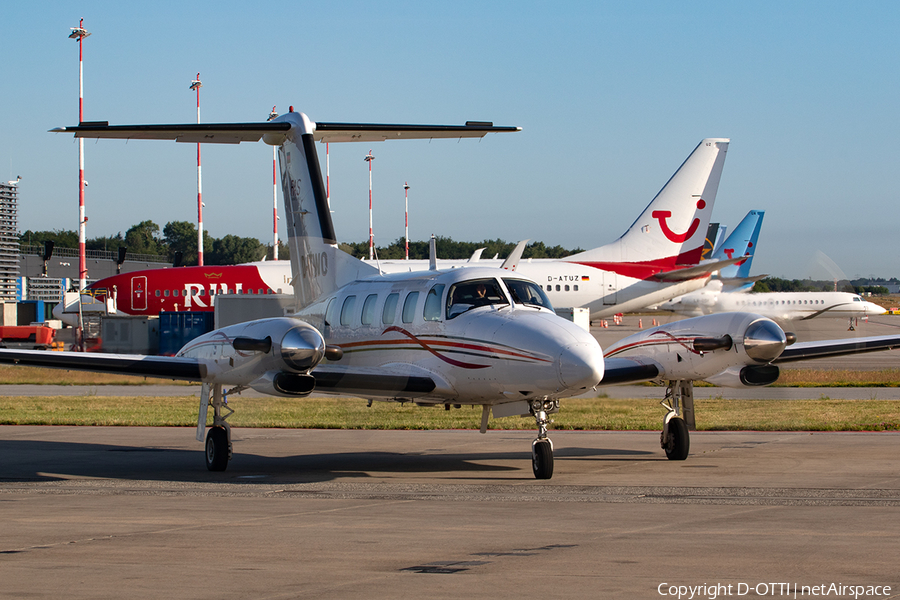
x=218, y=439
x=542, y=447
x=679, y=402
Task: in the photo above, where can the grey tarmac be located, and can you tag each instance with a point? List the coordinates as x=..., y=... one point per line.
x=106, y=512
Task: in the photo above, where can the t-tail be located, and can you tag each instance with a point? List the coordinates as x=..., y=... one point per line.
x=318, y=266
x=671, y=231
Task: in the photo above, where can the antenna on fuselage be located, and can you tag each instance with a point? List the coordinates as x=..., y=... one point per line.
x=432, y=254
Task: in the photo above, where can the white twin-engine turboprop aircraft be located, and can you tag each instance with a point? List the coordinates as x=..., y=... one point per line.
x=475, y=336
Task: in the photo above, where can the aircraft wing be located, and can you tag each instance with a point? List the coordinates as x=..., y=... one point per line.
x=235, y=133
x=371, y=383
x=618, y=371
x=703, y=269
x=169, y=367
x=829, y=348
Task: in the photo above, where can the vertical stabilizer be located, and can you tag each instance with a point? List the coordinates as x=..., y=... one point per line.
x=318, y=266
x=671, y=231
x=741, y=242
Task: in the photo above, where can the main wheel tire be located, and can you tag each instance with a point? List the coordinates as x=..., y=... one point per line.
x=217, y=449
x=542, y=459
x=679, y=444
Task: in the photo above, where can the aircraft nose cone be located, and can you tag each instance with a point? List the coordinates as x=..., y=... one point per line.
x=302, y=348
x=581, y=365
x=764, y=341
x=874, y=309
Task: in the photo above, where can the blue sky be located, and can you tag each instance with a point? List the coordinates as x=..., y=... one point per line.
x=611, y=97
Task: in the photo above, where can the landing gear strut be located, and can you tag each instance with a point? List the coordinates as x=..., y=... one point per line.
x=542, y=447
x=218, y=440
x=679, y=402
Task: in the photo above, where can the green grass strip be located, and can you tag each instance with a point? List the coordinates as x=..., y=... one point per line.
x=351, y=413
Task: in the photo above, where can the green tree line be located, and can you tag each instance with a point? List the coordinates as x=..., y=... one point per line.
x=176, y=237
x=855, y=286
x=449, y=249
x=181, y=236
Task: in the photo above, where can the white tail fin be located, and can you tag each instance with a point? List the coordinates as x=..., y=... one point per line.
x=318, y=266
x=670, y=233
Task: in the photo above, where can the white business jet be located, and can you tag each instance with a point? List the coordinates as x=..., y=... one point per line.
x=484, y=337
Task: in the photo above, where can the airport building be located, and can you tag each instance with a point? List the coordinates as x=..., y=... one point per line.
x=9, y=248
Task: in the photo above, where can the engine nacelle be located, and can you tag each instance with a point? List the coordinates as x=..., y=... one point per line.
x=707, y=346
x=244, y=353
x=280, y=383
x=749, y=376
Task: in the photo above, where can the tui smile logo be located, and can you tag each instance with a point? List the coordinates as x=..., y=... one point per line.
x=679, y=238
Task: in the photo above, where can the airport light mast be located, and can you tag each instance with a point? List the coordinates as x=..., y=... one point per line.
x=79, y=33
x=196, y=85
x=369, y=158
x=272, y=115
x=406, y=215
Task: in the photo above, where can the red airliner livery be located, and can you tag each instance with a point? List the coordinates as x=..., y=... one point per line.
x=191, y=288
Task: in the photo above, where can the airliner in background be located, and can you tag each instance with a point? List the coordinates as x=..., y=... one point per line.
x=781, y=306
x=724, y=293
x=656, y=259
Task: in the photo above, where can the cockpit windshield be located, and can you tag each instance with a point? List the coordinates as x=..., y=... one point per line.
x=467, y=295
x=527, y=292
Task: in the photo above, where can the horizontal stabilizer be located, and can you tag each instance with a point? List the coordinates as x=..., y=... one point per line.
x=366, y=132
x=733, y=281
x=694, y=272
x=234, y=133
x=215, y=133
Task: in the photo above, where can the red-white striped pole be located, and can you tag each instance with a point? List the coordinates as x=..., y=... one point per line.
x=369, y=158
x=406, y=215
x=79, y=33
x=272, y=115
x=196, y=85
x=327, y=177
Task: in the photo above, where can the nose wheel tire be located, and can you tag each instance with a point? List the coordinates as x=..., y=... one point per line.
x=217, y=449
x=542, y=459
x=678, y=444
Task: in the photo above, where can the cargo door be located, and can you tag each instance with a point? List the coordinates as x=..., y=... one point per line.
x=139, y=293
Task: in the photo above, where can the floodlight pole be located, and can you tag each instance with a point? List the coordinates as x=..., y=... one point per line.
x=272, y=115
x=196, y=85
x=327, y=177
x=369, y=158
x=406, y=215
x=79, y=33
